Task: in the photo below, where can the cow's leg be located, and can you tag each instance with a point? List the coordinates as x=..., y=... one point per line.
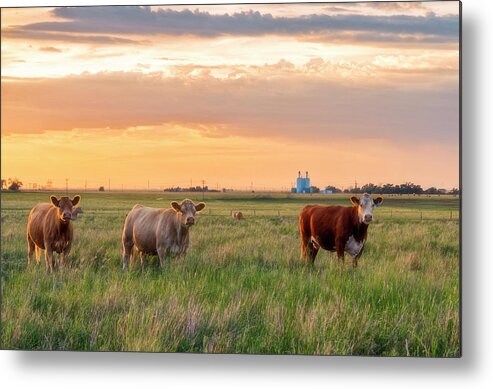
x=127, y=256
x=312, y=251
x=49, y=258
x=162, y=252
x=142, y=259
x=38, y=255
x=355, y=262
x=355, y=259
x=64, y=255
x=340, y=245
x=31, y=247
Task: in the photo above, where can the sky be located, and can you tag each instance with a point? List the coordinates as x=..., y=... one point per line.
x=235, y=95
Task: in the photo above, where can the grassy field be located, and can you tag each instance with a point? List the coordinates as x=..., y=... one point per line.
x=242, y=288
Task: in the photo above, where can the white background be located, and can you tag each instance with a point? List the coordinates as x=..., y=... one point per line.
x=473, y=370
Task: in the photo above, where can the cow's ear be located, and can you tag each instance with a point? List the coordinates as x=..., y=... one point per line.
x=54, y=201
x=378, y=201
x=76, y=200
x=199, y=207
x=354, y=201
x=176, y=206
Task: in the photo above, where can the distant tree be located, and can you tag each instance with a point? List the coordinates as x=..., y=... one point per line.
x=101, y=189
x=455, y=191
x=388, y=189
x=4, y=184
x=14, y=184
x=315, y=189
x=333, y=189
x=431, y=190
x=370, y=188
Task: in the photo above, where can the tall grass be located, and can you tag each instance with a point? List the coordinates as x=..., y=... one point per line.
x=241, y=289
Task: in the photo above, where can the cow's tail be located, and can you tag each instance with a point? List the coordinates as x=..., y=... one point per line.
x=304, y=234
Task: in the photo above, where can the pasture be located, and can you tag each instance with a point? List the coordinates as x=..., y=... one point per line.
x=242, y=288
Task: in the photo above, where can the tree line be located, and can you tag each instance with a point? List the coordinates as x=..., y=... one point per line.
x=14, y=184
x=406, y=188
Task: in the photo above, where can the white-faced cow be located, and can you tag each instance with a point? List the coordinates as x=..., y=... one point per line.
x=337, y=228
x=158, y=231
x=49, y=228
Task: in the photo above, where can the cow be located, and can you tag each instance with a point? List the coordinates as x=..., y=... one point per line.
x=238, y=215
x=49, y=229
x=158, y=231
x=337, y=228
x=77, y=211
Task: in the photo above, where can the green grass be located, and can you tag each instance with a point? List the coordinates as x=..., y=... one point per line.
x=242, y=288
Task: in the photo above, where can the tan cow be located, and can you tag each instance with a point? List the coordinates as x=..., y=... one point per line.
x=158, y=231
x=49, y=228
x=238, y=215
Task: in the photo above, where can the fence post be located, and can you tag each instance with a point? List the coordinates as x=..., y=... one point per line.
x=421, y=215
x=278, y=213
x=391, y=214
x=254, y=212
x=450, y=215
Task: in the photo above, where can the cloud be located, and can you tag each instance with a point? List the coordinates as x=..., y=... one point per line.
x=294, y=106
x=395, y=6
x=337, y=9
x=133, y=20
x=50, y=49
x=26, y=34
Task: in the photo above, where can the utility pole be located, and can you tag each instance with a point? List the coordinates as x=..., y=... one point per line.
x=109, y=185
x=148, y=186
x=66, y=185
x=203, y=189
x=85, y=186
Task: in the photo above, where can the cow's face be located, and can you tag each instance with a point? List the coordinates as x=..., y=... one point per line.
x=365, y=206
x=65, y=206
x=186, y=210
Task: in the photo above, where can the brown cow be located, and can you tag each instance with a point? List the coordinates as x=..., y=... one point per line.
x=336, y=228
x=238, y=215
x=158, y=231
x=49, y=228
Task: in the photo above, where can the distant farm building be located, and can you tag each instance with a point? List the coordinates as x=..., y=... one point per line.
x=302, y=184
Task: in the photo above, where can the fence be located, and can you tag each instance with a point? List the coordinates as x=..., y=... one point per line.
x=388, y=214
x=380, y=214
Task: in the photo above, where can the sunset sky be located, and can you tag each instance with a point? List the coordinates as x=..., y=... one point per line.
x=232, y=94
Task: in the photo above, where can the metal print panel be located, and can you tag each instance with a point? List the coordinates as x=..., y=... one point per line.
x=239, y=178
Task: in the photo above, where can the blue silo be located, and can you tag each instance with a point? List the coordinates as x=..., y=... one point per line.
x=303, y=184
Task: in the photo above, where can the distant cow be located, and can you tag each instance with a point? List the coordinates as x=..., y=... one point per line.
x=49, y=228
x=238, y=215
x=158, y=231
x=336, y=228
x=77, y=211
